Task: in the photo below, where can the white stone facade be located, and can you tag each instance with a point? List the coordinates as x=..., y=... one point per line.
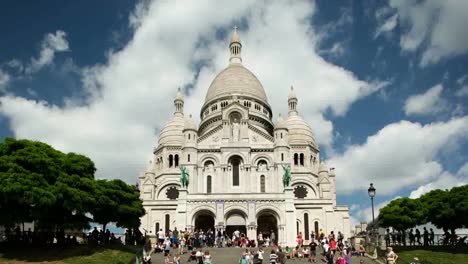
x=234, y=158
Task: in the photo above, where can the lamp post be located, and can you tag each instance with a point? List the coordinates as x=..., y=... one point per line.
x=371, y=192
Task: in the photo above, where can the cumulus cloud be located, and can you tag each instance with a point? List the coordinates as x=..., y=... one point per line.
x=400, y=155
x=429, y=102
x=462, y=91
x=436, y=27
x=130, y=96
x=445, y=181
x=52, y=43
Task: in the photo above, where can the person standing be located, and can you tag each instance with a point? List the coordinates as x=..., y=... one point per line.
x=418, y=237
x=431, y=237
x=281, y=256
x=299, y=239
x=425, y=237
x=391, y=256
x=207, y=258
x=313, y=250
x=260, y=255
x=273, y=257
x=273, y=238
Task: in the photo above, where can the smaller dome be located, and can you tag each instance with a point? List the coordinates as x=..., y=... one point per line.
x=171, y=134
x=281, y=123
x=323, y=167
x=299, y=130
x=190, y=124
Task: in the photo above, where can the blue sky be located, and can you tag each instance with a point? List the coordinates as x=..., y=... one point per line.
x=384, y=85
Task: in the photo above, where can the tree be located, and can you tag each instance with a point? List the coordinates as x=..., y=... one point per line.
x=447, y=209
x=117, y=202
x=402, y=213
x=41, y=184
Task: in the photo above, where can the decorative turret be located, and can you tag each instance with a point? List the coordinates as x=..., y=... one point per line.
x=235, y=47
x=281, y=132
x=292, y=102
x=179, y=103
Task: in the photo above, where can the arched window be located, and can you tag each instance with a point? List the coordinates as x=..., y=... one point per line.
x=281, y=135
x=157, y=228
x=171, y=161
x=301, y=159
x=306, y=226
x=295, y=159
x=166, y=223
x=188, y=157
x=262, y=183
x=282, y=156
x=235, y=163
x=316, y=229
x=189, y=136
x=176, y=160
x=297, y=227
x=208, y=184
x=262, y=165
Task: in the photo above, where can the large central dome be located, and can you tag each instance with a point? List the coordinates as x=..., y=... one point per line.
x=236, y=80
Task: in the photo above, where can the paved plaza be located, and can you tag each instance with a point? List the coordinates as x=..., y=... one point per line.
x=232, y=255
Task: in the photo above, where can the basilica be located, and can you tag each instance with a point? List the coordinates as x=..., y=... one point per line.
x=234, y=161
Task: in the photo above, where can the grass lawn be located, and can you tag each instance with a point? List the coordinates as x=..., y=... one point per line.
x=75, y=255
x=455, y=256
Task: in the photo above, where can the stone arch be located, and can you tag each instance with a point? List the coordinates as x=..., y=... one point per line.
x=269, y=209
x=235, y=218
x=204, y=219
x=164, y=186
x=207, y=157
x=259, y=157
x=308, y=184
x=242, y=156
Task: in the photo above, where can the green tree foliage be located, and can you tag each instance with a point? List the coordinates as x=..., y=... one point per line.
x=447, y=209
x=402, y=213
x=117, y=202
x=57, y=190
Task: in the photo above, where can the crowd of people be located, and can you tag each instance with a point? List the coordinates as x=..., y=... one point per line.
x=425, y=238
x=196, y=244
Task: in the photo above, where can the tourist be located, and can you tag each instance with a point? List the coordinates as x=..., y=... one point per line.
x=391, y=256
x=415, y=261
x=299, y=239
x=267, y=241
x=305, y=252
x=362, y=250
x=147, y=251
x=219, y=238
x=167, y=258
x=411, y=238
x=273, y=238
x=181, y=243
x=199, y=256
x=177, y=259
x=313, y=250
x=387, y=237
x=287, y=252
x=331, y=235
x=281, y=256
x=340, y=259
x=329, y=256
x=243, y=259
x=333, y=246
x=260, y=239
x=260, y=255
x=273, y=257
x=321, y=234
x=167, y=246
x=207, y=258
x=425, y=237
x=418, y=237
x=431, y=237
x=347, y=256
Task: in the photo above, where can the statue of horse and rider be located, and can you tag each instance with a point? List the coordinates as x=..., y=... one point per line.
x=286, y=175
x=184, y=176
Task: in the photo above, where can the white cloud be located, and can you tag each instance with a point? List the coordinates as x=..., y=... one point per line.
x=400, y=155
x=429, y=102
x=462, y=91
x=4, y=80
x=386, y=25
x=362, y=212
x=444, y=181
x=131, y=95
x=436, y=27
x=51, y=44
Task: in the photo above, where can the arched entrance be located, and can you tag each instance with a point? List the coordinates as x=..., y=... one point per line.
x=267, y=224
x=204, y=220
x=236, y=220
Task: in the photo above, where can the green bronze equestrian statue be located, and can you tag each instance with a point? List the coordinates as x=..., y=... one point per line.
x=286, y=175
x=184, y=176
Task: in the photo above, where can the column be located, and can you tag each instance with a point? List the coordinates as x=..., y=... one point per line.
x=181, y=211
x=290, y=217
x=252, y=221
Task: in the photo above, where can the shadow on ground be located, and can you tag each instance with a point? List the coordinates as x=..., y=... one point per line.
x=56, y=253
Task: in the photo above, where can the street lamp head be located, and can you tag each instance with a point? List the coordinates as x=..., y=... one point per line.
x=371, y=191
